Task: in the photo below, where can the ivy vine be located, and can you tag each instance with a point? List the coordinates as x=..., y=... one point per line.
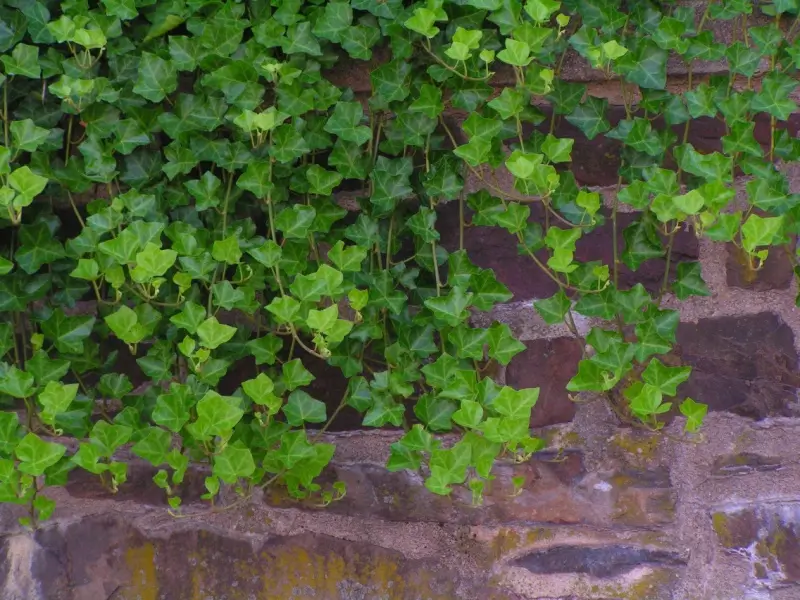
x=172, y=177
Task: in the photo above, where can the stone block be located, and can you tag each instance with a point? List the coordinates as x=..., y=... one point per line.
x=746, y=364
x=775, y=274
x=548, y=365
x=99, y=558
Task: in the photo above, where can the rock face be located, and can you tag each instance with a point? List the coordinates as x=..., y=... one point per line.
x=768, y=535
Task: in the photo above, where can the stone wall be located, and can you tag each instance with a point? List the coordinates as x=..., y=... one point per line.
x=606, y=512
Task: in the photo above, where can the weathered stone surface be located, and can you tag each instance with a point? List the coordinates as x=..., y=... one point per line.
x=768, y=535
x=746, y=364
x=548, y=365
x=98, y=558
x=745, y=463
x=602, y=562
x=551, y=493
x=775, y=274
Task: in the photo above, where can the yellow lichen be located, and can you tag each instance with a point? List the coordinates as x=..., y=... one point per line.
x=143, y=583
x=639, y=448
x=721, y=525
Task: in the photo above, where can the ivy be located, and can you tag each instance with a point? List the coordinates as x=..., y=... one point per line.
x=202, y=176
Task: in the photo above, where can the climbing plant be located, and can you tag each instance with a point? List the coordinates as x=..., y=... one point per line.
x=191, y=191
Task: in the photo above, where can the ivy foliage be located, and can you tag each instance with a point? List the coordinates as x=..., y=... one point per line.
x=170, y=202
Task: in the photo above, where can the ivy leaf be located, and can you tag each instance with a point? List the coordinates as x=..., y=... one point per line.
x=347, y=259
x=515, y=53
x=436, y=412
x=335, y=19
x=190, y=317
x=557, y=149
x=302, y=408
x=345, y=123
x=36, y=455
x=553, y=309
x=17, y=383
x=690, y=281
x=172, y=409
x=108, y=437
x=590, y=117
x=760, y=231
x=322, y=181
x=233, y=463
x=295, y=375
x=503, y=346
x=213, y=334
x=646, y=66
x=24, y=61
x=450, y=309
x=157, y=78
x=55, y=399
x=694, y=412
x=646, y=400
x=515, y=404
x=422, y=22
x=26, y=136
x=666, y=379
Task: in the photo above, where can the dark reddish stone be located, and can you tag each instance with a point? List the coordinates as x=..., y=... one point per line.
x=138, y=488
x=548, y=365
x=598, y=245
x=776, y=273
x=746, y=365
x=745, y=463
x=494, y=248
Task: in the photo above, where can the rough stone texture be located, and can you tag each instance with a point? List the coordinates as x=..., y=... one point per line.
x=548, y=365
x=747, y=365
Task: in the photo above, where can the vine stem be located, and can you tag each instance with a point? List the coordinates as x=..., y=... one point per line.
x=5, y=111
x=433, y=55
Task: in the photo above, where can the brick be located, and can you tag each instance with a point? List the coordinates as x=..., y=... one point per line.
x=494, y=248
x=746, y=365
x=548, y=365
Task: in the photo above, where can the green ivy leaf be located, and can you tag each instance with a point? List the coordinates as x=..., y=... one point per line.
x=694, y=413
x=213, y=334
x=36, y=455
x=302, y=408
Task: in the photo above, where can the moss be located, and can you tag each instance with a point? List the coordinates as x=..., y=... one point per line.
x=640, y=447
x=721, y=525
x=506, y=541
x=539, y=535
